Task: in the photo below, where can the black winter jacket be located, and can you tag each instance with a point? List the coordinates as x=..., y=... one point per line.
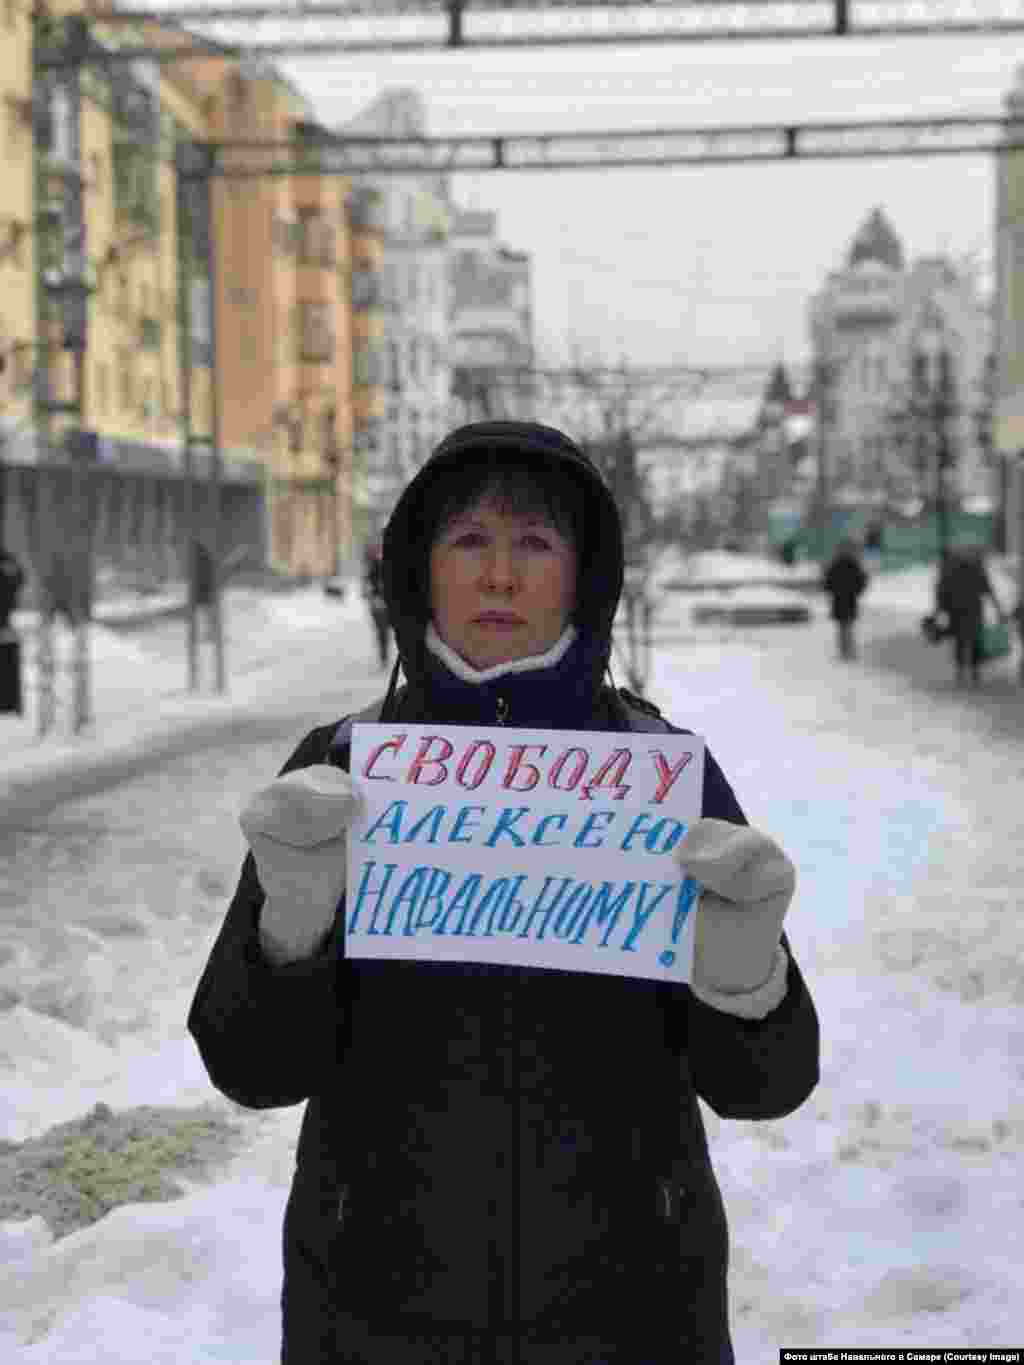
x=497, y=1166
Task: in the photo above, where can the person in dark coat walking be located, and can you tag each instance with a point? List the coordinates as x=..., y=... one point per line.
x=845, y=581
x=501, y=1165
x=960, y=591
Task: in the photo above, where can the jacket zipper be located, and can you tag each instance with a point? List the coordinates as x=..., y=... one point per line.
x=672, y=1200
x=665, y=1206
x=502, y=716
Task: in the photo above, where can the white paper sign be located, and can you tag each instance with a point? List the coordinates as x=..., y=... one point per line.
x=526, y=848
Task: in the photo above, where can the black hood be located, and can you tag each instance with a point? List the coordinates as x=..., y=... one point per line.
x=406, y=549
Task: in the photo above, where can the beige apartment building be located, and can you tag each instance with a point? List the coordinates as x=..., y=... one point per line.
x=288, y=357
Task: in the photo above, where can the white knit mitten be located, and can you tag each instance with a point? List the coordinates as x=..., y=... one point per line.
x=296, y=829
x=748, y=883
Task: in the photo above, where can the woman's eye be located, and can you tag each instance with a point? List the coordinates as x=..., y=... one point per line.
x=470, y=540
x=536, y=542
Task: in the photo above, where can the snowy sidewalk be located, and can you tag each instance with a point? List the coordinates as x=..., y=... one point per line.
x=144, y=710
x=885, y=1213
x=142, y=706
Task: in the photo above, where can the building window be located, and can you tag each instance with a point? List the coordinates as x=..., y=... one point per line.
x=125, y=379
x=237, y=92
x=62, y=141
x=199, y=321
x=147, y=402
x=102, y=380
x=316, y=332
x=316, y=237
x=286, y=236
x=149, y=334
x=166, y=400
x=367, y=367
x=366, y=292
x=136, y=199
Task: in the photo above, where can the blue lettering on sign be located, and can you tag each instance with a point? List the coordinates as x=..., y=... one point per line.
x=461, y=902
x=433, y=891
x=431, y=900
x=515, y=825
x=431, y=822
x=643, y=913
x=511, y=815
x=389, y=820
x=686, y=897
x=368, y=891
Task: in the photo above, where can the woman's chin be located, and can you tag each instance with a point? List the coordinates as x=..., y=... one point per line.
x=481, y=660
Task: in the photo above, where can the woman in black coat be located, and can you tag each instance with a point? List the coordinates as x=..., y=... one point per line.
x=500, y=1166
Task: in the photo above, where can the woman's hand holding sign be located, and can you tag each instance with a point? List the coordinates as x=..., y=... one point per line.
x=747, y=884
x=296, y=829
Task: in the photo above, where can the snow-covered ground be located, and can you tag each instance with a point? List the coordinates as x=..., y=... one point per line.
x=887, y=1211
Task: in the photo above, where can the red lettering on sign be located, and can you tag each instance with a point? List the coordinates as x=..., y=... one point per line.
x=517, y=765
x=666, y=774
x=424, y=759
x=395, y=744
x=487, y=751
x=610, y=774
x=582, y=759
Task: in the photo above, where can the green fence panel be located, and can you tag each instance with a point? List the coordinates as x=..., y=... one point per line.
x=905, y=543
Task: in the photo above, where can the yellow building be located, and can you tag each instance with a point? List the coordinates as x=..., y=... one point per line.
x=284, y=255
x=17, y=239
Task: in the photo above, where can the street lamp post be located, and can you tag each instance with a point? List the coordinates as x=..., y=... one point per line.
x=824, y=402
x=332, y=462
x=935, y=408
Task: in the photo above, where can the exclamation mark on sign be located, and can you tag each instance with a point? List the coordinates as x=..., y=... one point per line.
x=686, y=899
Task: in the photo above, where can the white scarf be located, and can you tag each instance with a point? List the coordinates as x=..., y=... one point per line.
x=469, y=674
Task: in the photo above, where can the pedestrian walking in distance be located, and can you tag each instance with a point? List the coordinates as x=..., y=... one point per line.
x=373, y=591
x=501, y=1165
x=844, y=582
x=960, y=591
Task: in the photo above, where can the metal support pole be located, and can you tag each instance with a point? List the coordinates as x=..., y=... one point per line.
x=941, y=490
x=215, y=510
x=187, y=228
x=195, y=261
x=42, y=404
x=823, y=400
x=61, y=320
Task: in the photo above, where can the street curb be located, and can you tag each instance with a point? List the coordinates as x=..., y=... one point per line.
x=81, y=774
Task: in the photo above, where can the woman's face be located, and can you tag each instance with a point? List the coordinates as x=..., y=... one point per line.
x=502, y=584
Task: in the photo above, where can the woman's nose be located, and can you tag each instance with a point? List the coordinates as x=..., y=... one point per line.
x=500, y=570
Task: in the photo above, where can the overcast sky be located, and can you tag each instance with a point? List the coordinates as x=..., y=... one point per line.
x=698, y=265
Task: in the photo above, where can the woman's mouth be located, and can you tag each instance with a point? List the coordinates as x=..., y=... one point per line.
x=498, y=620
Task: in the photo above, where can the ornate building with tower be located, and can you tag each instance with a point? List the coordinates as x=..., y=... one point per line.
x=882, y=330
